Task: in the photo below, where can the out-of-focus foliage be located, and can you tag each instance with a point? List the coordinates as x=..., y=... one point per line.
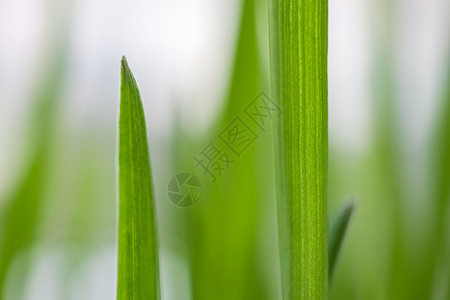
x=20, y=218
x=337, y=231
x=223, y=229
x=57, y=227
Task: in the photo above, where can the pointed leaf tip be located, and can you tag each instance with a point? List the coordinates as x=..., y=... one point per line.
x=137, y=243
x=124, y=61
x=338, y=230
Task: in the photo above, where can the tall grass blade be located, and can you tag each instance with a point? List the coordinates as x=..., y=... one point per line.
x=298, y=45
x=337, y=233
x=224, y=241
x=138, y=267
x=403, y=281
x=21, y=216
x=441, y=196
x=441, y=158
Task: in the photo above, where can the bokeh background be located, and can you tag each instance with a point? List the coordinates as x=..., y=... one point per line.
x=198, y=64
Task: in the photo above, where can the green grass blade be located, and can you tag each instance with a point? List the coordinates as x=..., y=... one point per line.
x=138, y=267
x=298, y=44
x=403, y=280
x=21, y=217
x=224, y=241
x=441, y=162
x=337, y=233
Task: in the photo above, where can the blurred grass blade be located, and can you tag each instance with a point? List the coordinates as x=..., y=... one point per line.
x=21, y=216
x=138, y=269
x=227, y=227
x=298, y=45
x=337, y=233
x=440, y=162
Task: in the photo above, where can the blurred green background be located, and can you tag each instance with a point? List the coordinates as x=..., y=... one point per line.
x=199, y=64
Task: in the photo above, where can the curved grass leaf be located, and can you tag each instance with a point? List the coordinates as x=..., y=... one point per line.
x=138, y=269
x=337, y=233
x=298, y=44
x=21, y=216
